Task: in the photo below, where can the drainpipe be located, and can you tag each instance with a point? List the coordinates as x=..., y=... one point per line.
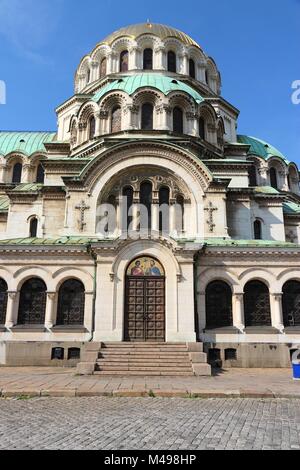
x=93, y=255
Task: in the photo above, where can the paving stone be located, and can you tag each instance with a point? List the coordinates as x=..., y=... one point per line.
x=117, y=423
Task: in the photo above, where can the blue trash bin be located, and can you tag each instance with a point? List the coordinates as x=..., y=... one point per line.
x=296, y=370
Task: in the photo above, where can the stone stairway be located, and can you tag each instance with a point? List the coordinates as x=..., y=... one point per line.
x=144, y=359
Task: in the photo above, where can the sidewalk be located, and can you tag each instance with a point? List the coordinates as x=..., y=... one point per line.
x=59, y=382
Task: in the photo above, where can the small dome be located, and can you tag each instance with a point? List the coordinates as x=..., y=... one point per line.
x=159, y=30
x=260, y=148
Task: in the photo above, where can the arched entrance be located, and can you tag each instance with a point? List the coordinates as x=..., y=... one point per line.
x=145, y=301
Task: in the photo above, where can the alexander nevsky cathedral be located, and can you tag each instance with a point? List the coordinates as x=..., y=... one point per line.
x=146, y=235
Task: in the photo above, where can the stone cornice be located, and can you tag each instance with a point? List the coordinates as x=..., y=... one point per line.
x=79, y=98
x=251, y=252
x=60, y=148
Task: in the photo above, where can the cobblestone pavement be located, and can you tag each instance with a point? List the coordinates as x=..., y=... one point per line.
x=149, y=423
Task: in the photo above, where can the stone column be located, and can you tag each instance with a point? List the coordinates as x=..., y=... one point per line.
x=201, y=72
x=284, y=178
x=103, y=122
x=238, y=311
x=81, y=82
x=166, y=112
x=172, y=223
x=263, y=176
x=109, y=64
x=160, y=58
x=98, y=125
x=95, y=68
x=27, y=173
x=134, y=53
x=276, y=311
x=50, y=317
x=12, y=309
x=135, y=215
x=2, y=173
x=155, y=216
x=192, y=121
x=201, y=301
x=184, y=69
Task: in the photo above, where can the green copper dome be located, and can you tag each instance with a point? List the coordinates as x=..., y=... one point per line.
x=27, y=143
x=261, y=148
x=129, y=84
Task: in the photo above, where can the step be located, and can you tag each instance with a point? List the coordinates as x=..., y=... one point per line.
x=144, y=361
x=137, y=344
x=143, y=364
x=145, y=349
x=129, y=354
x=150, y=347
x=142, y=373
x=144, y=368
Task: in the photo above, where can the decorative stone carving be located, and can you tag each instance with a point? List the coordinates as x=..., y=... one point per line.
x=82, y=207
x=211, y=209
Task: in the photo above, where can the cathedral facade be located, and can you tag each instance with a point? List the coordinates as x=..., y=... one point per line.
x=146, y=217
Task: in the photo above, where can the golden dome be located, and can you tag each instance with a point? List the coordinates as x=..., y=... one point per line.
x=160, y=30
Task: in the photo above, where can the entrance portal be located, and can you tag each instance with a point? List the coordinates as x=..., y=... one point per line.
x=145, y=301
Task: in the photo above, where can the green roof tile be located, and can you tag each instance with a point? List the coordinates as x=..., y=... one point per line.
x=265, y=190
x=291, y=208
x=4, y=204
x=24, y=142
x=261, y=148
x=28, y=187
x=129, y=84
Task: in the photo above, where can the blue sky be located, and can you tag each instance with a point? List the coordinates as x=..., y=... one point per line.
x=256, y=46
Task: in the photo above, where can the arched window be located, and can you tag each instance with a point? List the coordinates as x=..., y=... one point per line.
x=257, y=230
x=147, y=117
x=3, y=301
x=273, y=178
x=17, y=173
x=103, y=67
x=92, y=127
x=127, y=206
x=124, y=59
x=32, y=305
x=291, y=303
x=202, y=133
x=148, y=59
x=252, y=176
x=146, y=202
x=180, y=214
x=40, y=174
x=207, y=77
x=178, y=120
x=172, y=62
x=192, y=68
x=71, y=300
x=33, y=228
x=218, y=299
x=116, y=119
x=257, y=304
x=164, y=210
